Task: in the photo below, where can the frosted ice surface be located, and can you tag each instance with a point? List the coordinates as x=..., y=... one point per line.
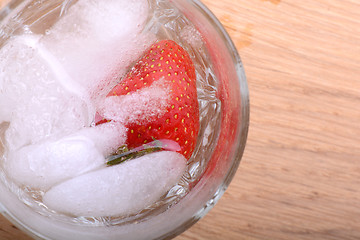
x=99, y=39
x=118, y=190
x=107, y=137
x=42, y=165
x=48, y=83
x=31, y=99
x=139, y=106
x=49, y=86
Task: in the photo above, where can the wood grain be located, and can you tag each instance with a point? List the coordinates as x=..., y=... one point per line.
x=300, y=174
x=3, y=3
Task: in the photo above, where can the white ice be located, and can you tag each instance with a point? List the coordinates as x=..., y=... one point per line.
x=96, y=37
x=45, y=164
x=137, y=107
x=50, y=85
x=31, y=98
x=118, y=190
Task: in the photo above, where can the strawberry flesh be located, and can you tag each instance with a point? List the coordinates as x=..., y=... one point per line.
x=167, y=61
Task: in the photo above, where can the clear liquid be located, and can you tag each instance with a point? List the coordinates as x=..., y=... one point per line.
x=165, y=22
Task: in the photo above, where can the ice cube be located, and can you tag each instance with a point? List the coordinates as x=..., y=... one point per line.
x=44, y=164
x=118, y=190
x=97, y=40
x=108, y=137
x=48, y=84
x=31, y=99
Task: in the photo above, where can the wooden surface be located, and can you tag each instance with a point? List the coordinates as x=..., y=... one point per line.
x=300, y=174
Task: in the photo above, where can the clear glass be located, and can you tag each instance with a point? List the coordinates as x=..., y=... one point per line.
x=224, y=119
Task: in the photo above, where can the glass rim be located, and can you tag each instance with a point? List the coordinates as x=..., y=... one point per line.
x=240, y=72
x=244, y=117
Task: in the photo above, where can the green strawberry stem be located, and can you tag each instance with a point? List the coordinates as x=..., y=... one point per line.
x=154, y=146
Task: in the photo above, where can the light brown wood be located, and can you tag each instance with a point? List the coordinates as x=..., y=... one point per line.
x=300, y=174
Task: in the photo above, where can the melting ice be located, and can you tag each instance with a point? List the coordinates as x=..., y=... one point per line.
x=118, y=190
x=50, y=87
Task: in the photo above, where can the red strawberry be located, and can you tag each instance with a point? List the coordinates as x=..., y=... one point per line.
x=168, y=61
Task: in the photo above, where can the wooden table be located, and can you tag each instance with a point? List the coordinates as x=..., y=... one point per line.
x=300, y=174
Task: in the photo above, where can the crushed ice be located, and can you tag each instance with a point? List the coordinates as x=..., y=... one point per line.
x=150, y=102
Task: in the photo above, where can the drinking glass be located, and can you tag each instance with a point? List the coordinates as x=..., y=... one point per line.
x=215, y=160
